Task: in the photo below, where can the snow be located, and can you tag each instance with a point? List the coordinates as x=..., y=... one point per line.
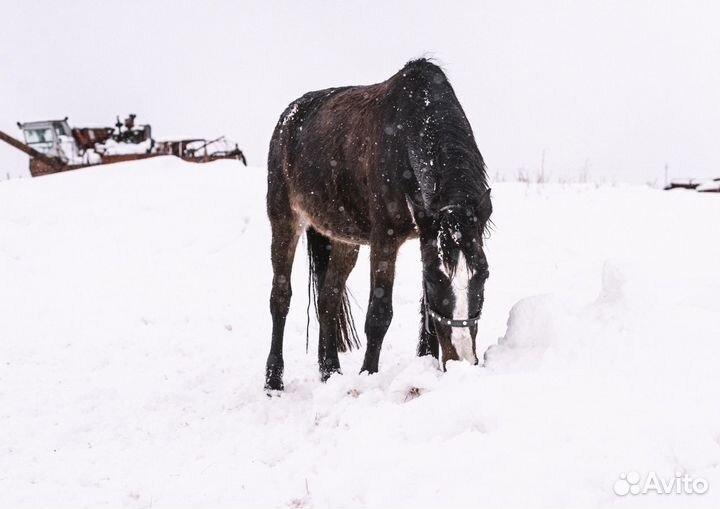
x=112, y=147
x=709, y=186
x=135, y=328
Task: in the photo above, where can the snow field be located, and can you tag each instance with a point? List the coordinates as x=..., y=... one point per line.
x=134, y=328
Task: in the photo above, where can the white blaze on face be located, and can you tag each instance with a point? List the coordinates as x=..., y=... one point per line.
x=461, y=338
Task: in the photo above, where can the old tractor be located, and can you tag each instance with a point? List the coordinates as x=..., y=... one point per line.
x=53, y=146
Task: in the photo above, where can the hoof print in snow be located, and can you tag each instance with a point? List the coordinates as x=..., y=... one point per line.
x=412, y=393
x=299, y=503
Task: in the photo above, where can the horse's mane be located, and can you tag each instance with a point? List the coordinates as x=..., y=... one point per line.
x=452, y=171
x=446, y=142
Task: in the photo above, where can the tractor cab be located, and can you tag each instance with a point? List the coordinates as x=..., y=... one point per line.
x=50, y=137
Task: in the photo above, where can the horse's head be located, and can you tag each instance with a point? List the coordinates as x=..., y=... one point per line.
x=454, y=273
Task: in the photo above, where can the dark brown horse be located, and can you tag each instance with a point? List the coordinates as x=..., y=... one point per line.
x=378, y=165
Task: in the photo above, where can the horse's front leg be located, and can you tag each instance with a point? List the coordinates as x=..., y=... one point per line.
x=383, y=254
x=428, y=343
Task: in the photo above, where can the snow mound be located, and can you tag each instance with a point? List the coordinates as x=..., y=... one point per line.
x=136, y=327
x=559, y=333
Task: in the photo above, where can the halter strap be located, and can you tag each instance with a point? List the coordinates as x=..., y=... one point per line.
x=465, y=322
x=429, y=312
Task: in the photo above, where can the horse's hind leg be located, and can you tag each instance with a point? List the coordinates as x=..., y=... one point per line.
x=336, y=328
x=285, y=233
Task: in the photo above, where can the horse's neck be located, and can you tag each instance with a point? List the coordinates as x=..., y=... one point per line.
x=442, y=152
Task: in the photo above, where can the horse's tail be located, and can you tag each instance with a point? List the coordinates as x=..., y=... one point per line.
x=319, y=257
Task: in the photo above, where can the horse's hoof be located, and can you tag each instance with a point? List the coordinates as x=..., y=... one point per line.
x=274, y=382
x=370, y=370
x=325, y=374
x=274, y=385
x=274, y=374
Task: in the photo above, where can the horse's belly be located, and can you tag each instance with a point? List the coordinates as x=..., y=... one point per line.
x=335, y=200
x=337, y=224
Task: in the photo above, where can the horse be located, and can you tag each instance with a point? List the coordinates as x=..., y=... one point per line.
x=377, y=165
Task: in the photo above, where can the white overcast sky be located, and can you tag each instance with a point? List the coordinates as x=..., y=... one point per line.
x=627, y=86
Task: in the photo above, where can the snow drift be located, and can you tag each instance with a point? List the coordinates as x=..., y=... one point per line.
x=135, y=327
